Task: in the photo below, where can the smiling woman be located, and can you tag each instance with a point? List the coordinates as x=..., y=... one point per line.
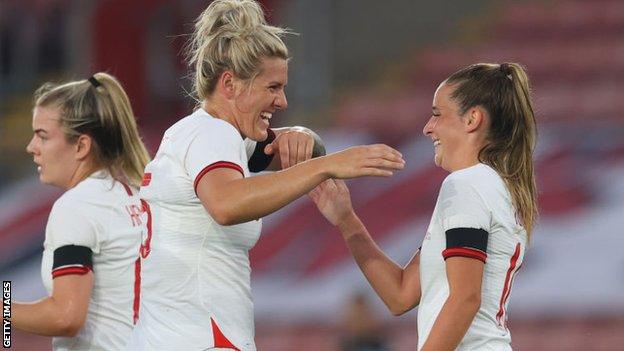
x=86, y=142
x=204, y=209
x=483, y=130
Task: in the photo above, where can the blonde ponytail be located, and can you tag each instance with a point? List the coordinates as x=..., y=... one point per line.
x=135, y=157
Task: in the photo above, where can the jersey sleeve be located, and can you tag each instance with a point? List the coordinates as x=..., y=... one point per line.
x=466, y=220
x=214, y=146
x=462, y=206
x=73, y=231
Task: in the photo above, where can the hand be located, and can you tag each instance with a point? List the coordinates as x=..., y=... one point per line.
x=294, y=146
x=377, y=160
x=333, y=200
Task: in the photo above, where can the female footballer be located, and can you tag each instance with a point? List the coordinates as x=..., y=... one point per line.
x=86, y=142
x=204, y=209
x=484, y=132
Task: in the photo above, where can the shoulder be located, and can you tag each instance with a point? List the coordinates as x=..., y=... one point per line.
x=91, y=195
x=473, y=174
x=77, y=197
x=200, y=122
x=477, y=178
x=463, y=199
x=75, y=205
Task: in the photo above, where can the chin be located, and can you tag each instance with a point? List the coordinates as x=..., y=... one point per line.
x=439, y=162
x=44, y=180
x=259, y=135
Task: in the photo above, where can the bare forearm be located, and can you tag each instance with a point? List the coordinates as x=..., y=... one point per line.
x=251, y=198
x=451, y=324
x=384, y=275
x=43, y=317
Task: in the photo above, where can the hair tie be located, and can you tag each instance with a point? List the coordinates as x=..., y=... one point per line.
x=506, y=70
x=94, y=82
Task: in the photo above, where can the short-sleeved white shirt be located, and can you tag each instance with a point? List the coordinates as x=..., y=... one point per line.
x=195, y=289
x=475, y=197
x=103, y=215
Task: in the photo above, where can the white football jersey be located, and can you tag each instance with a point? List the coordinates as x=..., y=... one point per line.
x=475, y=197
x=103, y=215
x=195, y=291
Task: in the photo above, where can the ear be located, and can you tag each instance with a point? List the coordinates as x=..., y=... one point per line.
x=476, y=117
x=83, y=146
x=227, y=84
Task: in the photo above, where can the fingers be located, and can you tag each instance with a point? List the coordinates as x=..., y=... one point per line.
x=309, y=148
x=386, y=152
x=324, y=189
x=385, y=164
x=330, y=185
x=341, y=186
x=303, y=144
x=315, y=194
x=376, y=172
x=284, y=152
x=293, y=146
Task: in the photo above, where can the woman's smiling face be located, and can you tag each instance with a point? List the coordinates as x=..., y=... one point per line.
x=256, y=101
x=445, y=128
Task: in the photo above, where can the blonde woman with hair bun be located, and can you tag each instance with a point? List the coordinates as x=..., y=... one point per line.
x=205, y=211
x=86, y=142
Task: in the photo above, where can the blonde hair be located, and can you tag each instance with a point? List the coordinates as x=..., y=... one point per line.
x=231, y=35
x=503, y=90
x=101, y=110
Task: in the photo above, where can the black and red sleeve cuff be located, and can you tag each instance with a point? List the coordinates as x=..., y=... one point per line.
x=259, y=161
x=215, y=165
x=466, y=242
x=72, y=259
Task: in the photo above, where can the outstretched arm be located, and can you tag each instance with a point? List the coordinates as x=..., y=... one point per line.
x=232, y=199
x=399, y=288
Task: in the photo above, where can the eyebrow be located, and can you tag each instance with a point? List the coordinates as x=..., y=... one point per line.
x=435, y=108
x=37, y=131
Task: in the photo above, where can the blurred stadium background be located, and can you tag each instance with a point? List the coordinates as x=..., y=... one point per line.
x=362, y=71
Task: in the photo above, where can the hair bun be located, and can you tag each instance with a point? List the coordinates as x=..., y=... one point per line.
x=236, y=17
x=231, y=35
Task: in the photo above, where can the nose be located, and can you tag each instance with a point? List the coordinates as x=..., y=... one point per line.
x=280, y=101
x=30, y=148
x=428, y=128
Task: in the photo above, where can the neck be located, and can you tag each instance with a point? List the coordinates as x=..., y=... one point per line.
x=467, y=156
x=220, y=111
x=82, y=172
x=465, y=164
